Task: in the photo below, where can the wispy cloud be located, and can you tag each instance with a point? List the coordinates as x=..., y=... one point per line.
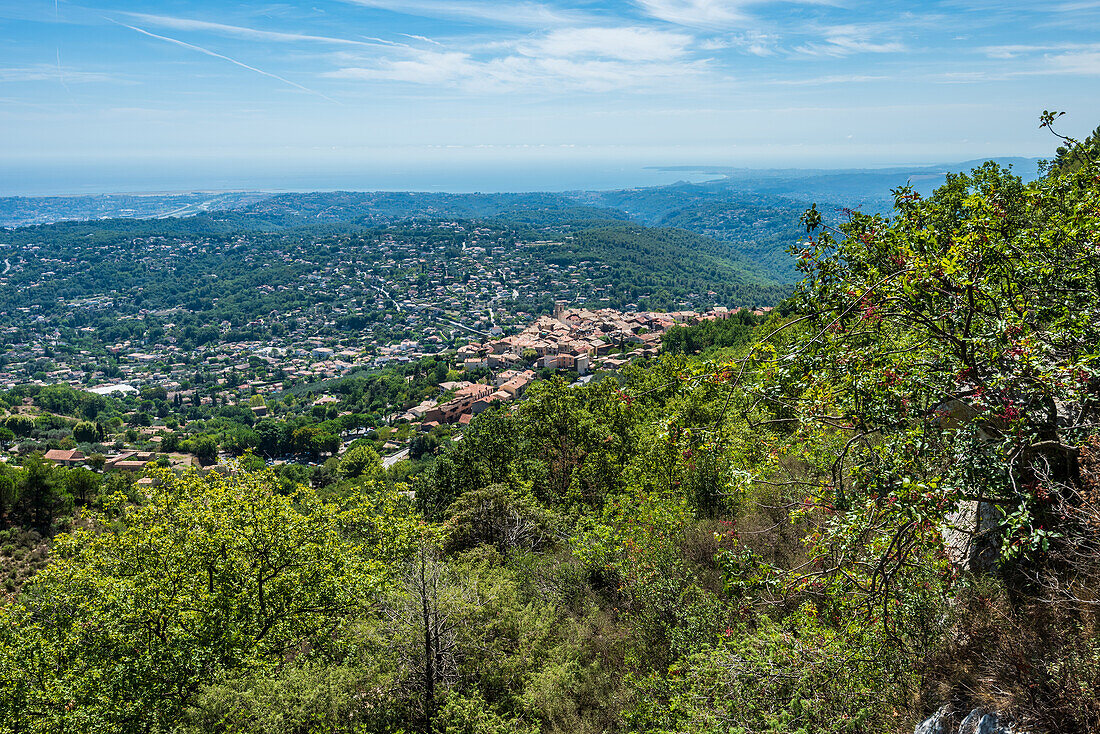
x=1080, y=59
x=696, y=13
x=751, y=42
x=525, y=70
x=591, y=58
x=520, y=14
x=425, y=67
x=252, y=34
x=1076, y=7
x=712, y=13
x=49, y=72
x=832, y=79
x=846, y=40
x=626, y=44
x=1012, y=51
x=1086, y=63
x=216, y=55
x=425, y=39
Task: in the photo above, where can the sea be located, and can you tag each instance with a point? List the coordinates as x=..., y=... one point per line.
x=68, y=179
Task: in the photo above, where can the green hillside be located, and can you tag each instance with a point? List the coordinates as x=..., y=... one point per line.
x=880, y=503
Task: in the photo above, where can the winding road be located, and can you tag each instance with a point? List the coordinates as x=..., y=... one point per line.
x=389, y=461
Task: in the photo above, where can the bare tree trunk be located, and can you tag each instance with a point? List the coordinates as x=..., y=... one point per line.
x=426, y=608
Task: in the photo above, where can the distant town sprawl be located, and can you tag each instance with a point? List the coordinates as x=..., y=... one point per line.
x=95, y=290
x=168, y=415
x=201, y=339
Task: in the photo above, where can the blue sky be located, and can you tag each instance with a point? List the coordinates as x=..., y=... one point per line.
x=331, y=83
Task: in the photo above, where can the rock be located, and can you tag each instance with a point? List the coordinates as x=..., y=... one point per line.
x=969, y=725
x=938, y=722
x=971, y=533
x=975, y=722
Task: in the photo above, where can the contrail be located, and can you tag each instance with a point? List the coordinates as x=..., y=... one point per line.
x=216, y=55
x=420, y=38
x=61, y=74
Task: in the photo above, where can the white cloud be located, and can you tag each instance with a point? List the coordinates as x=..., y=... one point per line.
x=522, y=70
x=626, y=44
x=428, y=67
x=832, y=79
x=593, y=59
x=751, y=42
x=1012, y=51
x=962, y=77
x=845, y=40
x=1077, y=62
x=253, y=34
x=425, y=39
x=701, y=13
x=519, y=14
x=710, y=13
x=47, y=72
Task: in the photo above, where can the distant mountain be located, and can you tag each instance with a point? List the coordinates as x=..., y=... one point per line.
x=535, y=209
x=753, y=212
x=866, y=189
x=843, y=186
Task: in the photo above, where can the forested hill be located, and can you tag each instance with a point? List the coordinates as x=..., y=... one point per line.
x=241, y=267
x=376, y=206
x=754, y=211
x=645, y=259
x=757, y=229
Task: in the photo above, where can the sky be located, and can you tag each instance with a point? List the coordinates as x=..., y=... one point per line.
x=218, y=91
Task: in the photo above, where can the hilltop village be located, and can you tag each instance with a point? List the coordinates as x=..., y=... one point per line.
x=257, y=379
x=580, y=341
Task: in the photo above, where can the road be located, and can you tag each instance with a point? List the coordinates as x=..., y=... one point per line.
x=7, y=266
x=192, y=208
x=387, y=295
x=392, y=459
x=467, y=328
x=168, y=215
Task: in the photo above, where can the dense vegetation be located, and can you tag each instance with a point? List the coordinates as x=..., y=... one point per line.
x=293, y=426
x=884, y=500
x=734, y=331
x=656, y=267
x=200, y=272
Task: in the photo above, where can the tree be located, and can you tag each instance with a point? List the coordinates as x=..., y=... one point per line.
x=360, y=461
x=963, y=327
x=85, y=432
x=1073, y=154
x=209, y=576
x=205, y=449
x=42, y=498
x=9, y=492
x=20, y=425
x=82, y=484
x=239, y=439
x=499, y=516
